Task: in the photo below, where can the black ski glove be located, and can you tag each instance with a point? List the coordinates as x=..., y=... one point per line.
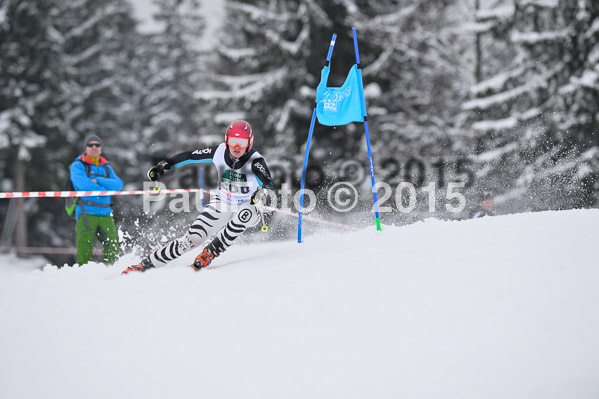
x=156, y=172
x=258, y=194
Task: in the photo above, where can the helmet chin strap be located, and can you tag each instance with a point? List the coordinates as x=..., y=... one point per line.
x=233, y=158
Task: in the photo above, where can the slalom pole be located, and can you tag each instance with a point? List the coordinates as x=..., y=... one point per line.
x=301, y=199
x=370, y=163
x=201, y=188
x=264, y=228
x=330, y=53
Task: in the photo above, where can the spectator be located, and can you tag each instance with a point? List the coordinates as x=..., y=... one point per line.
x=485, y=207
x=91, y=172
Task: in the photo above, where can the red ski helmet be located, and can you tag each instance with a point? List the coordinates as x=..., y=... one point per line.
x=239, y=133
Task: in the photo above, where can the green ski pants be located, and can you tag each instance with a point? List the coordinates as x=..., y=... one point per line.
x=102, y=227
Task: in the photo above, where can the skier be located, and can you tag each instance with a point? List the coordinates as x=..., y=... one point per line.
x=243, y=180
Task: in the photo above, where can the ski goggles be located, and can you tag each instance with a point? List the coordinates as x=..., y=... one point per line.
x=238, y=142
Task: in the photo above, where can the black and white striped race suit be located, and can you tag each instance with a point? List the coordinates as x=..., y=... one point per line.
x=230, y=212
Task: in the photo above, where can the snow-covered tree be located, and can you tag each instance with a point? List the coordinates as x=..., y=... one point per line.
x=271, y=54
x=31, y=71
x=66, y=72
x=171, y=77
x=535, y=121
x=415, y=76
x=169, y=118
x=100, y=49
x=416, y=71
x=261, y=68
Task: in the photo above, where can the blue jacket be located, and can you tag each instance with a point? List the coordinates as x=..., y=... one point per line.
x=83, y=182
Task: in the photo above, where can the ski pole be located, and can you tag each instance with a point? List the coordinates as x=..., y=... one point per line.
x=264, y=228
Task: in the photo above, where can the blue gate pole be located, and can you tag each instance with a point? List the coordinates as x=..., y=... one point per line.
x=376, y=205
x=301, y=199
x=201, y=187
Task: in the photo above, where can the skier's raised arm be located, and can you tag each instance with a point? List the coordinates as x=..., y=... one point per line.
x=203, y=155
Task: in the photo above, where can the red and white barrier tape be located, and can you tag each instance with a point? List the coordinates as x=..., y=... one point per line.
x=313, y=219
x=44, y=250
x=67, y=194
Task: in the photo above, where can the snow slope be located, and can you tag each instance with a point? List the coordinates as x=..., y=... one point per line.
x=503, y=307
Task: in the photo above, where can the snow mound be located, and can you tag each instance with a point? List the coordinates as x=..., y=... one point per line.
x=502, y=307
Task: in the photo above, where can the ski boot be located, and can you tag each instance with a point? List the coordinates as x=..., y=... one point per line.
x=144, y=265
x=210, y=252
x=203, y=259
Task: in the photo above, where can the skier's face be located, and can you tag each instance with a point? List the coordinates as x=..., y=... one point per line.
x=93, y=149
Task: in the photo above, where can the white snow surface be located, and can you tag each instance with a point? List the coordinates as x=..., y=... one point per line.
x=498, y=307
